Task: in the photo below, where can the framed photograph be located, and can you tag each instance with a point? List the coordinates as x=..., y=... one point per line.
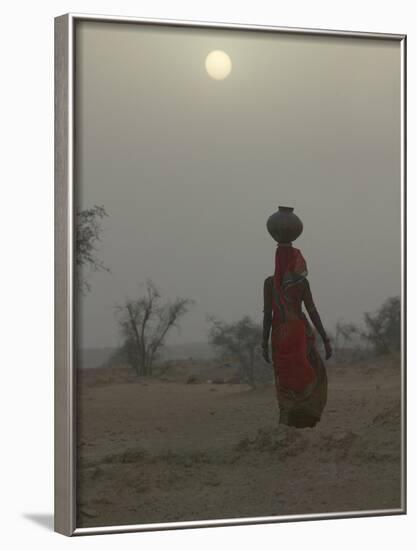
x=230, y=274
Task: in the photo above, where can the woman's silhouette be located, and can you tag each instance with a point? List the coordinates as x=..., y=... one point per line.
x=300, y=375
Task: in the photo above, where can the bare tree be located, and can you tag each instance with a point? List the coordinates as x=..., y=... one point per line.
x=240, y=341
x=88, y=235
x=383, y=328
x=145, y=323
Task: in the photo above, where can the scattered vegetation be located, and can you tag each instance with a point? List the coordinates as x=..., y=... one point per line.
x=381, y=333
x=145, y=323
x=239, y=342
x=88, y=235
x=383, y=328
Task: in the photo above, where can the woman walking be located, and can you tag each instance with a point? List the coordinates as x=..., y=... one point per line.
x=300, y=375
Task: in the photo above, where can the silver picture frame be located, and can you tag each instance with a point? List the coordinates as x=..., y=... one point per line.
x=65, y=372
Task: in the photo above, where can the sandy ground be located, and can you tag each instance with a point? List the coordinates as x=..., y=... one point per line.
x=166, y=451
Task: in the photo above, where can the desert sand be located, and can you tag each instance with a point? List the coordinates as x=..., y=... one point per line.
x=164, y=450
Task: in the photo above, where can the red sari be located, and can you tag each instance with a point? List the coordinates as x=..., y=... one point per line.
x=300, y=375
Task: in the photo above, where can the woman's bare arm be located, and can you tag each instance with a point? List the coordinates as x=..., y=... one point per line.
x=315, y=318
x=267, y=320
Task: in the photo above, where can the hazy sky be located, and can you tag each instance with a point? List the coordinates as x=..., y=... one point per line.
x=189, y=168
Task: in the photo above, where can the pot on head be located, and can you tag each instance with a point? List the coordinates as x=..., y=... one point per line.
x=284, y=226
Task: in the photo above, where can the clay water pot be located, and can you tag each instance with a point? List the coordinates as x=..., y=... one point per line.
x=284, y=226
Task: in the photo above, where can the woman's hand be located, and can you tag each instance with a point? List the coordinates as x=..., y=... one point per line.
x=265, y=351
x=328, y=348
